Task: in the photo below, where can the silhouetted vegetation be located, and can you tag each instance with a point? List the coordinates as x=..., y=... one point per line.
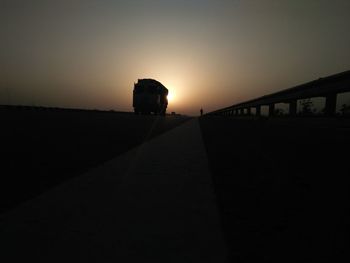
x=278, y=112
x=345, y=110
x=306, y=107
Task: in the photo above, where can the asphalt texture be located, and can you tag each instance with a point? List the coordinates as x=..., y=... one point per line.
x=282, y=187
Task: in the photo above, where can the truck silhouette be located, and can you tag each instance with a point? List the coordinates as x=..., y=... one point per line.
x=150, y=95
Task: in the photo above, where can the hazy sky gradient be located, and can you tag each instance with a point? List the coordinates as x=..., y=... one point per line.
x=210, y=54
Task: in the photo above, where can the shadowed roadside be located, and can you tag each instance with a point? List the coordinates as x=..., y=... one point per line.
x=44, y=147
x=282, y=187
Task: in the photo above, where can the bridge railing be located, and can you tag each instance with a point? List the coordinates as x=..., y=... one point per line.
x=327, y=87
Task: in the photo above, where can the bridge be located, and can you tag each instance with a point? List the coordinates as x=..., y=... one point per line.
x=328, y=87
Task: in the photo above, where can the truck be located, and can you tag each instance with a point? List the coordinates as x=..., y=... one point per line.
x=150, y=96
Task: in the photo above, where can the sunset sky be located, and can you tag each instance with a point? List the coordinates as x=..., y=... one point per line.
x=210, y=54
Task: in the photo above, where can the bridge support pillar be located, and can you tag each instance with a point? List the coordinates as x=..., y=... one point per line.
x=331, y=103
x=241, y=111
x=249, y=111
x=271, y=109
x=258, y=110
x=293, y=108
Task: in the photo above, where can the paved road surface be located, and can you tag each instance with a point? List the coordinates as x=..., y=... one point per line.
x=153, y=204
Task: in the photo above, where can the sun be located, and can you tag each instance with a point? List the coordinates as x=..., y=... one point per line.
x=171, y=97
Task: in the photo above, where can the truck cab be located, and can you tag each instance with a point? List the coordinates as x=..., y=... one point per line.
x=150, y=96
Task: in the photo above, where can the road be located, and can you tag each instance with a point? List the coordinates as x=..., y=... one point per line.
x=213, y=189
x=154, y=203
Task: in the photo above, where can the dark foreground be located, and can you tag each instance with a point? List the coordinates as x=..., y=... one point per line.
x=41, y=147
x=282, y=187
x=154, y=203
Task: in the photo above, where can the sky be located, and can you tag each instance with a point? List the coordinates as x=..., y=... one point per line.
x=210, y=54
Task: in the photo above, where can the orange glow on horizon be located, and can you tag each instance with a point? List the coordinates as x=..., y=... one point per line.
x=171, y=97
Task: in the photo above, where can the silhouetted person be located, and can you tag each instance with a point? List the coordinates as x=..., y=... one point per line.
x=201, y=111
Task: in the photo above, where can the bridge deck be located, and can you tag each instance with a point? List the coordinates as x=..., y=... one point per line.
x=153, y=204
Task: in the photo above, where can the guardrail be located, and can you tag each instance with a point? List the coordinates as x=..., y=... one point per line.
x=328, y=87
